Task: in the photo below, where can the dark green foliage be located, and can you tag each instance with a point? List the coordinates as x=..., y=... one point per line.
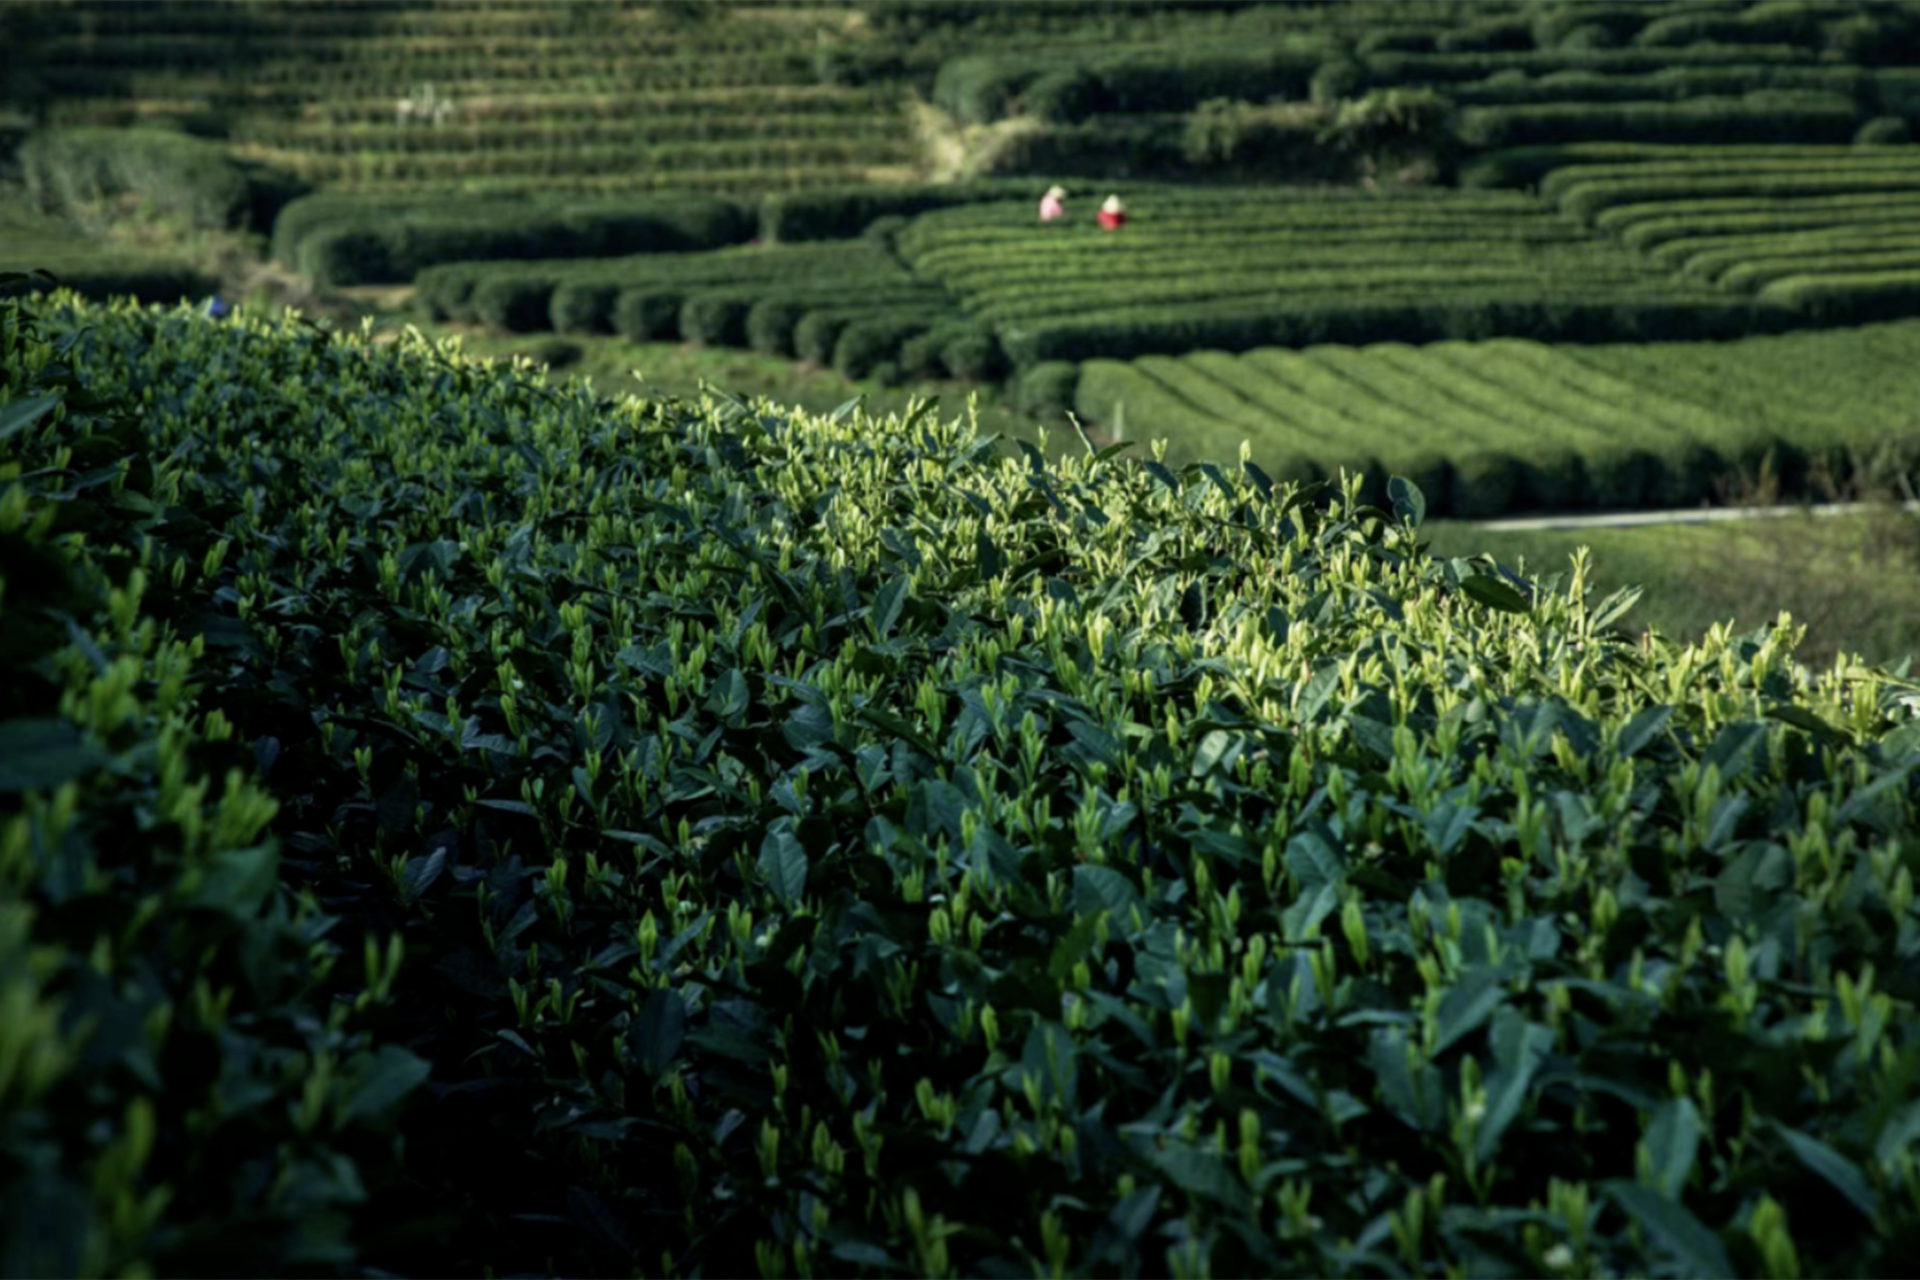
x=644, y=315
x=1775, y=116
x=818, y=332
x=519, y=304
x=201, y=1071
x=583, y=306
x=68, y=169
x=1047, y=390
x=719, y=318
x=839, y=214
x=1466, y=315
x=101, y=276
x=353, y=240
x=920, y=356
x=841, y=846
x=865, y=344
x=973, y=353
x=1059, y=85
x=1884, y=131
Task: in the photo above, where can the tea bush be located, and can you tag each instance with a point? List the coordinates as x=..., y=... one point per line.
x=832, y=845
x=193, y=1075
x=343, y=239
x=71, y=168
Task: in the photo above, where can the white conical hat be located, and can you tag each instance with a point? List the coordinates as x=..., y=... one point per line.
x=1056, y=193
x=1113, y=205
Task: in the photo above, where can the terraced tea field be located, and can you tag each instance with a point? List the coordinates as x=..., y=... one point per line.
x=507, y=96
x=1515, y=424
x=1248, y=267
x=1829, y=230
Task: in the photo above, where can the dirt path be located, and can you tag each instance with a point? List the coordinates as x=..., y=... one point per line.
x=1694, y=515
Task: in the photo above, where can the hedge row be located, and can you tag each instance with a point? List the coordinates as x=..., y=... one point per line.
x=1776, y=117
x=173, y=173
x=853, y=306
x=1843, y=297
x=836, y=213
x=1487, y=428
x=1530, y=166
x=342, y=239
x=585, y=288
x=1070, y=85
x=1146, y=330
x=1669, y=84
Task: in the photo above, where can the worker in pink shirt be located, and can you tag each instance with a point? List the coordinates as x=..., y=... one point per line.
x=1113, y=214
x=1053, y=204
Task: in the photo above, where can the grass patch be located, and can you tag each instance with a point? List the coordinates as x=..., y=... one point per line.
x=1852, y=580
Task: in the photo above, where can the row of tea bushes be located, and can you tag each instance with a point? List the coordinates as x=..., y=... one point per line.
x=1779, y=116
x=1242, y=267
x=338, y=238
x=329, y=94
x=1490, y=428
x=848, y=304
x=1828, y=233
x=76, y=170
x=824, y=845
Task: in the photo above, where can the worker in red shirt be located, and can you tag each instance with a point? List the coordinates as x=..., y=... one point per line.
x=1113, y=214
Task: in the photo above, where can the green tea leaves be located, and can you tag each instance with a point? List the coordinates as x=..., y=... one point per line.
x=38, y=755
x=1409, y=504
x=783, y=863
x=1840, y=1173
x=657, y=1033
x=1495, y=593
x=1693, y=1249
x=17, y=415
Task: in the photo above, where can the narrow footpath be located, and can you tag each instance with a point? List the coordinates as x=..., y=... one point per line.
x=1685, y=515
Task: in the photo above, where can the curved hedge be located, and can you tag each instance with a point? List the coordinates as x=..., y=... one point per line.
x=174, y=173
x=834, y=845
x=344, y=239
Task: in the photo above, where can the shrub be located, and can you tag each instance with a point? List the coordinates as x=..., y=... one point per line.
x=771, y=321
x=1047, y=390
x=1807, y=117
x=884, y=232
x=717, y=319
x=980, y=88
x=647, y=315
x=1621, y=892
x=839, y=214
x=350, y=240
x=519, y=304
x=865, y=344
x=1337, y=79
x=66, y=169
x=200, y=1076
x=973, y=354
x=1884, y=131
x=583, y=306
x=818, y=332
x=920, y=356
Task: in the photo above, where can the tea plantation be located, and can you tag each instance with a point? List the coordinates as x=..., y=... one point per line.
x=452, y=822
